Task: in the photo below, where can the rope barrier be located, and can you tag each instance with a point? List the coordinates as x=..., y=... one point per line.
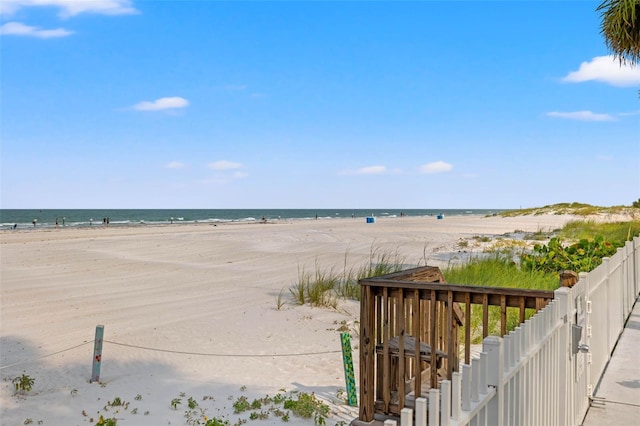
x=223, y=355
x=173, y=352
x=45, y=356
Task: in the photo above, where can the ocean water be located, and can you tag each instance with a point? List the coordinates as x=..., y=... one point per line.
x=46, y=218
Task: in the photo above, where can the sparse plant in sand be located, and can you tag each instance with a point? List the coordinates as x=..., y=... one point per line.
x=175, y=402
x=107, y=422
x=23, y=384
x=280, y=302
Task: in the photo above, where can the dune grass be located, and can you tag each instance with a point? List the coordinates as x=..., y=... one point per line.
x=614, y=232
x=497, y=270
x=326, y=286
x=579, y=209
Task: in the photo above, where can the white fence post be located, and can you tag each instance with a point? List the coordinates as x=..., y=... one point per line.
x=445, y=402
x=492, y=345
x=421, y=412
x=406, y=417
x=456, y=396
x=434, y=407
x=563, y=297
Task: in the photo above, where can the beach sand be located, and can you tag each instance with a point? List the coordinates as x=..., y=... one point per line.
x=191, y=311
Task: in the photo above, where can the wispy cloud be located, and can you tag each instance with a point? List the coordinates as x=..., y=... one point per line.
x=581, y=115
x=436, y=167
x=72, y=7
x=370, y=170
x=627, y=114
x=225, y=165
x=175, y=165
x=20, y=29
x=607, y=70
x=162, y=103
x=233, y=87
x=225, y=172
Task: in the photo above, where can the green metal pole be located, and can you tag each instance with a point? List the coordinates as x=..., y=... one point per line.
x=347, y=360
x=97, y=354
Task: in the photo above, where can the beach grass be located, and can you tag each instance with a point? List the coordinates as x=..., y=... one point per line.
x=578, y=209
x=615, y=232
x=497, y=270
x=326, y=286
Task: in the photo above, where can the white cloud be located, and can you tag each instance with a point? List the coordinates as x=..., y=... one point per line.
x=370, y=170
x=162, y=103
x=436, y=167
x=72, y=7
x=224, y=165
x=174, y=165
x=582, y=116
x=20, y=29
x=605, y=69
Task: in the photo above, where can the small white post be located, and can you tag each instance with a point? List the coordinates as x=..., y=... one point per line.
x=445, y=403
x=456, y=396
x=434, y=406
x=421, y=411
x=406, y=417
x=492, y=345
x=466, y=387
x=390, y=422
x=475, y=380
x=484, y=365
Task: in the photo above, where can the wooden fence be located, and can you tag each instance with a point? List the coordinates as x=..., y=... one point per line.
x=417, y=309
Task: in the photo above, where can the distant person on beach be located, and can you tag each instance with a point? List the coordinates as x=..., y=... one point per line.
x=15, y=225
x=91, y=222
x=34, y=222
x=56, y=222
x=104, y=221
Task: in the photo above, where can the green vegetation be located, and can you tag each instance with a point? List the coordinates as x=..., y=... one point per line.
x=620, y=27
x=614, y=232
x=594, y=241
x=327, y=286
x=497, y=270
x=23, y=384
x=283, y=404
x=579, y=209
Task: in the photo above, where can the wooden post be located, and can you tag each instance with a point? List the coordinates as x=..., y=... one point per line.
x=349, y=376
x=367, y=353
x=97, y=354
x=568, y=278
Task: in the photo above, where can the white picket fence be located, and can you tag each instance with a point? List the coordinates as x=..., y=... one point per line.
x=544, y=371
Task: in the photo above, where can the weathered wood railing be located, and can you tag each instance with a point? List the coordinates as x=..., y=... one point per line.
x=409, y=333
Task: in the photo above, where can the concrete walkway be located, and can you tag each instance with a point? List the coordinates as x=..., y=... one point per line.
x=617, y=398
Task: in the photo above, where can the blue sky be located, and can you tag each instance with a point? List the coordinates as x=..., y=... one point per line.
x=310, y=104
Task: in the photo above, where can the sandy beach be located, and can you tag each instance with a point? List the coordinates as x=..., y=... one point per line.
x=191, y=311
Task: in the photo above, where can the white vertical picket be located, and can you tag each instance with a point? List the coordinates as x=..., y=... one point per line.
x=445, y=403
x=421, y=411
